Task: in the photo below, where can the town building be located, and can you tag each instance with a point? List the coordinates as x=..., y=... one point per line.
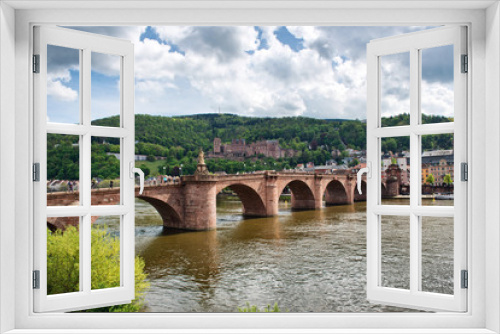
x=439, y=163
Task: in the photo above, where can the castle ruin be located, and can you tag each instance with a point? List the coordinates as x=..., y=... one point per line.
x=239, y=149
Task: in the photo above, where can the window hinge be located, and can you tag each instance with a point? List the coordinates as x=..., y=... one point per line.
x=465, y=64
x=36, y=279
x=36, y=172
x=36, y=63
x=464, y=171
x=465, y=279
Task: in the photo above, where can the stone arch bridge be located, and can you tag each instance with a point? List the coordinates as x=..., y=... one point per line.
x=191, y=205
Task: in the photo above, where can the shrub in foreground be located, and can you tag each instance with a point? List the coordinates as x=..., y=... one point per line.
x=63, y=263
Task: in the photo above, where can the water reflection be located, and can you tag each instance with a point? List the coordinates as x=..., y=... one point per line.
x=307, y=261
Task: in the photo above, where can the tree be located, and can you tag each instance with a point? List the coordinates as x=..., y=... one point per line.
x=447, y=179
x=430, y=179
x=145, y=169
x=353, y=162
x=63, y=261
x=389, y=145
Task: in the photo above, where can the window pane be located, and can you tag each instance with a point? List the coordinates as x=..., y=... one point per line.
x=63, y=85
x=105, y=252
x=437, y=254
x=63, y=170
x=395, y=89
x=105, y=171
x=438, y=170
x=395, y=251
x=437, y=96
x=63, y=255
x=105, y=91
x=395, y=171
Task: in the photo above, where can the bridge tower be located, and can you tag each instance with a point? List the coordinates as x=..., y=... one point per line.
x=393, y=180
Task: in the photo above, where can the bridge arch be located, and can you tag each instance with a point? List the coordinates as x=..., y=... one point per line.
x=253, y=203
x=170, y=216
x=335, y=193
x=357, y=196
x=302, y=194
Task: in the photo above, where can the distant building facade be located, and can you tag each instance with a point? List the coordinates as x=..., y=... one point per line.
x=439, y=163
x=239, y=148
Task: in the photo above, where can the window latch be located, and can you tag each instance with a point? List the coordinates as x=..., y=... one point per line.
x=368, y=171
x=134, y=170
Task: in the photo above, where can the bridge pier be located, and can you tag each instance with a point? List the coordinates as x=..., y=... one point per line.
x=272, y=199
x=200, y=206
x=318, y=200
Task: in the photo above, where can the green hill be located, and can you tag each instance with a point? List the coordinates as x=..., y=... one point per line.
x=179, y=139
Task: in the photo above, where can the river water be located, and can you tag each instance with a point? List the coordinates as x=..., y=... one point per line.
x=307, y=261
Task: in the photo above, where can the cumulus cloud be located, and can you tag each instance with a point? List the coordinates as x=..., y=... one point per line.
x=60, y=92
x=395, y=84
x=249, y=71
x=437, y=99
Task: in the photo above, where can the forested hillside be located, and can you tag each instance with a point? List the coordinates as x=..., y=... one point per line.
x=179, y=139
x=193, y=132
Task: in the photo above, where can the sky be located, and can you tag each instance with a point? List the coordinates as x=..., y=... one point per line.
x=272, y=71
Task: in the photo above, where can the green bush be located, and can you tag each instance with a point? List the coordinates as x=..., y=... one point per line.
x=254, y=308
x=63, y=256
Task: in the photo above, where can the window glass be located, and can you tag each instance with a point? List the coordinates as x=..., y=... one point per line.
x=105, y=91
x=437, y=254
x=437, y=95
x=105, y=171
x=395, y=250
x=438, y=170
x=63, y=255
x=105, y=250
x=395, y=89
x=63, y=85
x=63, y=170
x=395, y=171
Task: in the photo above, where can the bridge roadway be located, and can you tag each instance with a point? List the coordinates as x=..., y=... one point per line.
x=191, y=205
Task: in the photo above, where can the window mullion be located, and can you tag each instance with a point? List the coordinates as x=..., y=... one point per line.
x=86, y=177
x=414, y=175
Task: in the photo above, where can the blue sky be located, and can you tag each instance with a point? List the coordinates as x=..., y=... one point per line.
x=316, y=72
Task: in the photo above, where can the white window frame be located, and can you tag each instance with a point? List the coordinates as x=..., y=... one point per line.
x=85, y=44
x=484, y=236
x=413, y=44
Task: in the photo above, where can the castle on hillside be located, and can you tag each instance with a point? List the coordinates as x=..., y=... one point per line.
x=239, y=148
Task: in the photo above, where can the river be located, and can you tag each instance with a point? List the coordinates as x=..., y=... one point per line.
x=307, y=261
